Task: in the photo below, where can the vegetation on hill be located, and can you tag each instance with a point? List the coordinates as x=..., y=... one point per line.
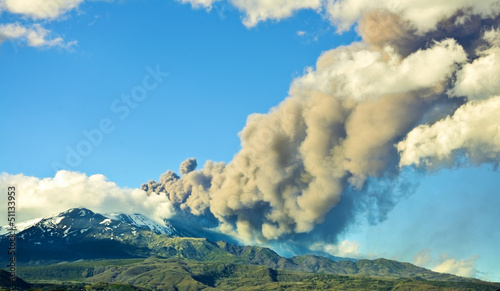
x=82, y=250
x=157, y=273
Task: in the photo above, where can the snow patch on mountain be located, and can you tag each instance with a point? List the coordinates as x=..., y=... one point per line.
x=51, y=221
x=57, y=220
x=142, y=221
x=106, y=221
x=80, y=221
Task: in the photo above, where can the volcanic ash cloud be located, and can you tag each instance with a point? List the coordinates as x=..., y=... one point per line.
x=405, y=95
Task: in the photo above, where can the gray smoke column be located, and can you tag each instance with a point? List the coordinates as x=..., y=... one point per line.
x=188, y=165
x=360, y=113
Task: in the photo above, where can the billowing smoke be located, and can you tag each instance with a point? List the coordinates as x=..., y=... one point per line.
x=188, y=165
x=418, y=90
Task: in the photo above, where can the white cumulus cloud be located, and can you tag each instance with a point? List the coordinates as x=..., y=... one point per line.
x=357, y=72
x=423, y=15
x=473, y=130
x=42, y=197
x=480, y=79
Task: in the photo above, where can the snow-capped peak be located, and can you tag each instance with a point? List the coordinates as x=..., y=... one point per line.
x=140, y=220
x=80, y=220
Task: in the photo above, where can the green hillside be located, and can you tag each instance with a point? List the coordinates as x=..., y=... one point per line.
x=182, y=274
x=87, y=251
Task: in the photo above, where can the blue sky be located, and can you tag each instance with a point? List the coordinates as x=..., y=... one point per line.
x=219, y=73
x=221, y=68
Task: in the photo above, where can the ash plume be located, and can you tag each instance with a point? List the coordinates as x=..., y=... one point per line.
x=188, y=165
x=406, y=95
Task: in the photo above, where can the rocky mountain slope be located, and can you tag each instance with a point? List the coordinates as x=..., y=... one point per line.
x=80, y=234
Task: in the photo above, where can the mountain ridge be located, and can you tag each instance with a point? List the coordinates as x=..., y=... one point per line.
x=79, y=233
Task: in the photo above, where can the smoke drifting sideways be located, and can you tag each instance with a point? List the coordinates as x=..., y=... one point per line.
x=338, y=147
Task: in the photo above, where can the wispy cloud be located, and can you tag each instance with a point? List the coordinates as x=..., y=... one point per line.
x=423, y=258
x=207, y=4
x=261, y=10
x=345, y=248
x=466, y=267
x=447, y=264
x=34, y=36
